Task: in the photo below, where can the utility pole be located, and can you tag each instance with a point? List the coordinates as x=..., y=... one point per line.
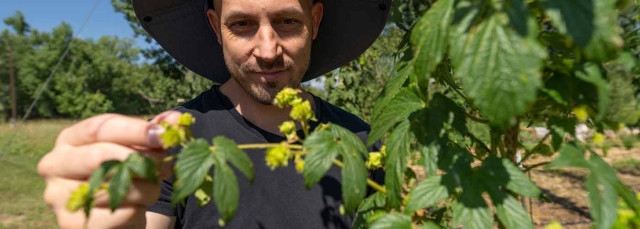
x=12, y=85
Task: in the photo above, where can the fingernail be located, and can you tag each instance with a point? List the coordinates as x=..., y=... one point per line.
x=153, y=135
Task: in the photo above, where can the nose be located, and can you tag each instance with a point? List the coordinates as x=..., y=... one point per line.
x=267, y=48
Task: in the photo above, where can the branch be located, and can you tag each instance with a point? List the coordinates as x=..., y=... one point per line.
x=148, y=98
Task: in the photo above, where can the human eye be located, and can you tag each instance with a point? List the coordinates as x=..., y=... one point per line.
x=288, y=24
x=240, y=26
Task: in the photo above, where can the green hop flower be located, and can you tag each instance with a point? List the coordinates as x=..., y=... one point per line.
x=287, y=127
x=285, y=97
x=554, y=225
x=277, y=156
x=302, y=112
x=186, y=119
x=171, y=137
x=79, y=198
x=300, y=166
x=374, y=161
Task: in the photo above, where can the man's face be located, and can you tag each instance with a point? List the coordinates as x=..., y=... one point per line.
x=266, y=43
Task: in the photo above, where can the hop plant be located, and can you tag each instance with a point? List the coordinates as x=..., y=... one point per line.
x=374, y=161
x=302, y=112
x=287, y=97
x=277, y=156
x=288, y=128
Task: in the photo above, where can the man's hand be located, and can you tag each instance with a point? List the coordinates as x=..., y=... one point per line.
x=81, y=148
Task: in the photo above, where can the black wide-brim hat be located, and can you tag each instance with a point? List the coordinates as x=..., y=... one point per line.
x=181, y=27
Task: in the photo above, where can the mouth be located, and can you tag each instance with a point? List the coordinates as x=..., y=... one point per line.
x=270, y=75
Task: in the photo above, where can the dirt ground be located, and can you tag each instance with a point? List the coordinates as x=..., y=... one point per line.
x=567, y=191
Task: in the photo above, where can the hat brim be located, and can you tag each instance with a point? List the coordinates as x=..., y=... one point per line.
x=347, y=29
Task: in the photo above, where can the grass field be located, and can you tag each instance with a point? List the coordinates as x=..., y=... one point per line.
x=21, y=187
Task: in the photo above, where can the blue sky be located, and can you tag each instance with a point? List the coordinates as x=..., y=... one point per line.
x=45, y=15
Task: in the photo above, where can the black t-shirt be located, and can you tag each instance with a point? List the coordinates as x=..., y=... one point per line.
x=277, y=199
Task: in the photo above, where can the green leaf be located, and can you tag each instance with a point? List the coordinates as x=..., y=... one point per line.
x=559, y=127
x=499, y=70
x=603, y=200
x=518, y=15
x=397, y=152
x=427, y=193
x=376, y=200
x=498, y=172
x=570, y=155
x=204, y=192
x=470, y=209
x=591, y=73
x=142, y=166
x=399, y=108
x=235, y=156
x=429, y=37
x=392, y=220
x=226, y=193
x=573, y=17
x=354, y=179
x=430, y=225
x=390, y=90
x=628, y=195
x=430, y=155
x=98, y=176
x=321, y=150
x=509, y=210
x=591, y=24
x=428, y=124
x=119, y=185
x=348, y=141
x=194, y=163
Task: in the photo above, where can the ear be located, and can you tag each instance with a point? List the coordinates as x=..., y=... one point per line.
x=214, y=22
x=316, y=17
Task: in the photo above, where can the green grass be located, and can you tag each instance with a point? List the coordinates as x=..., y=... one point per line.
x=21, y=187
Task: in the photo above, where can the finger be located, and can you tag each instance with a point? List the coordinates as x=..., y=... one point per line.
x=113, y=128
x=123, y=217
x=170, y=117
x=141, y=192
x=79, y=162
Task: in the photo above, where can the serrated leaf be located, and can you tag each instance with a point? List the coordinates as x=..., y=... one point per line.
x=498, y=172
x=591, y=74
x=398, y=109
x=429, y=37
x=509, y=210
x=570, y=155
x=226, y=193
x=392, y=220
x=95, y=181
x=591, y=24
x=428, y=123
x=427, y=193
x=391, y=88
x=348, y=140
x=518, y=15
x=365, y=210
x=354, y=179
x=321, y=150
x=193, y=164
x=238, y=158
x=470, y=209
x=628, y=195
x=397, y=152
x=204, y=192
x=376, y=200
x=603, y=201
x=142, y=166
x=499, y=70
x=119, y=185
x=430, y=155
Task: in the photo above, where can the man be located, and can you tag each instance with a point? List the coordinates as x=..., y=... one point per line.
x=254, y=48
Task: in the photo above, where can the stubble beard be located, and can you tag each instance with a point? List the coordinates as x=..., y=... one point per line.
x=264, y=93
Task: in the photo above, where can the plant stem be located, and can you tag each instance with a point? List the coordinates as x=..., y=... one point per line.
x=168, y=159
x=478, y=141
x=370, y=182
x=477, y=119
x=267, y=145
x=529, y=153
x=528, y=168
